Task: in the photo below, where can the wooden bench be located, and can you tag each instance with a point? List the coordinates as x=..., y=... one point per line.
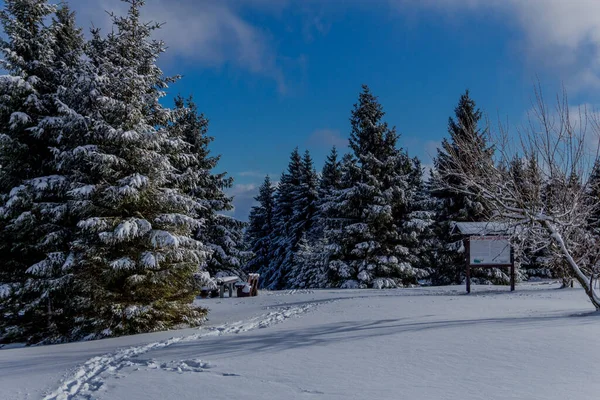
x=228, y=281
x=252, y=282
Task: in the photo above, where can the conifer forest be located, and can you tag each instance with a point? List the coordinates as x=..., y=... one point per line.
x=114, y=212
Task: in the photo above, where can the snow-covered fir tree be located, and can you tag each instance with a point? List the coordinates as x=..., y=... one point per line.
x=312, y=254
x=135, y=250
x=295, y=207
x=281, y=257
x=305, y=200
x=260, y=228
x=368, y=212
x=331, y=180
x=418, y=230
x=311, y=260
x=464, y=130
x=225, y=239
x=303, y=219
x=35, y=219
x=194, y=175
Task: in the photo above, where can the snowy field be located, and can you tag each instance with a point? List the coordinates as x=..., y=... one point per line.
x=427, y=343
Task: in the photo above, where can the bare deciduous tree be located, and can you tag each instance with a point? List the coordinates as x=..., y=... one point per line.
x=554, y=212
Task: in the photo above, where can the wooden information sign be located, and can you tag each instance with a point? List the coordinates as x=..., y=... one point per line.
x=489, y=252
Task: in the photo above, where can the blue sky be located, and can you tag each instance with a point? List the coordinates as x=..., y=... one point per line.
x=275, y=74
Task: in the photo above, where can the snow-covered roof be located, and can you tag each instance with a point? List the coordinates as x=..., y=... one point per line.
x=482, y=228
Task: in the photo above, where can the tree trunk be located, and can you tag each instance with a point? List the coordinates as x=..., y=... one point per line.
x=583, y=280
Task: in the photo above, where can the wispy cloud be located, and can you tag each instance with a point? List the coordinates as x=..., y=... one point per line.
x=559, y=36
x=326, y=138
x=556, y=35
x=254, y=174
x=211, y=33
x=430, y=149
x=243, y=199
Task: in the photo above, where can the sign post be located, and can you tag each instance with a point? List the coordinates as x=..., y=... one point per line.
x=489, y=252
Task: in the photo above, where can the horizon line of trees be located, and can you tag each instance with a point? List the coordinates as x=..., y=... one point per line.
x=372, y=219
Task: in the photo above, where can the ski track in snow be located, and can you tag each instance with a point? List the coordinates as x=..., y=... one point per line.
x=290, y=292
x=90, y=376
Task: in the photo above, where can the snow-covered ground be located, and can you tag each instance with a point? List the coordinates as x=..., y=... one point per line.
x=427, y=343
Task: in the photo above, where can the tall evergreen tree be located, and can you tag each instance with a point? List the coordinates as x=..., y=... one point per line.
x=467, y=143
x=68, y=42
x=418, y=229
x=194, y=174
x=311, y=261
x=331, y=180
x=260, y=228
x=283, y=236
x=305, y=201
x=35, y=227
x=372, y=205
x=135, y=252
x=303, y=218
x=228, y=249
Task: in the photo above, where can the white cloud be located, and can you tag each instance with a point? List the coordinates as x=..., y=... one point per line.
x=211, y=33
x=430, y=150
x=254, y=174
x=243, y=199
x=562, y=36
x=327, y=138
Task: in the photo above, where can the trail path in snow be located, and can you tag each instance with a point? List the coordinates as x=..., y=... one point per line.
x=89, y=377
x=353, y=344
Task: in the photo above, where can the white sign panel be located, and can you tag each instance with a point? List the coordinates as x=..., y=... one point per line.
x=489, y=250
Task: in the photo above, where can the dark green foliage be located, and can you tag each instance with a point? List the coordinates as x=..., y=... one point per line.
x=194, y=175
x=467, y=146
x=35, y=224
x=369, y=209
x=260, y=228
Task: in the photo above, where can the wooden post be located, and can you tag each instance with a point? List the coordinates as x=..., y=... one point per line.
x=467, y=245
x=512, y=270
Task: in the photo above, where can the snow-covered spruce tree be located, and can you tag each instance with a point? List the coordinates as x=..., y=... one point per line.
x=281, y=257
x=260, y=228
x=331, y=180
x=225, y=238
x=311, y=260
x=312, y=254
x=35, y=219
x=418, y=230
x=305, y=199
x=302, y=222
x=135, y=251
x=469, y=143
x=372, y=205
x=194, y=175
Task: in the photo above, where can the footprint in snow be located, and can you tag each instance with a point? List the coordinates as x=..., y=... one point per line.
x=312, y=391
